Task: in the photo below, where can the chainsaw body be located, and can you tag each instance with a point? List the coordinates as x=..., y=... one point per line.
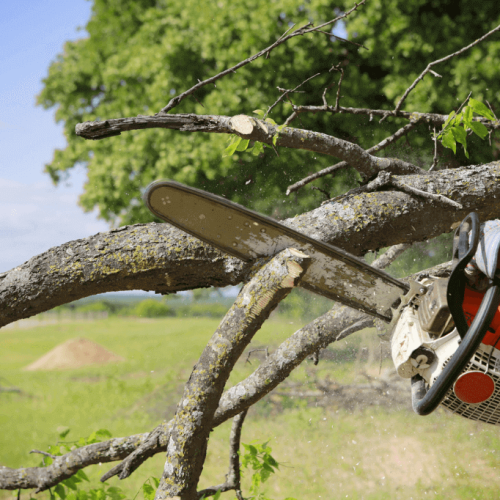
x=424, y=340
x=446, y=335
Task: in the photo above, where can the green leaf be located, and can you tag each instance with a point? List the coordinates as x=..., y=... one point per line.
x=243, y=145
x=80, y=474
x=268, y=468
x=115, y=493
x=448, y=141
x=467, y=114
x=60, y=491
x=63, y=431
x=259, y=112
x=148, y=491
x=270, y=120
x=257, y=149
x=252, y=449
x=479, y=129
x=156, y=482
x=71, y=482
x=229, y=151
x=460, y=135
x=481, y=109
x=217, y=495
x=450, y=116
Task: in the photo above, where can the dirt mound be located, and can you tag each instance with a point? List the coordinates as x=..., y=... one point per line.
x=74, y=353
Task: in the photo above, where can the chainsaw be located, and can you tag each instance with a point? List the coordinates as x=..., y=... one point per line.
x=445, y=333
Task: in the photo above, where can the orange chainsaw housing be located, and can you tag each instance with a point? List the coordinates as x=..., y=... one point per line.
x=470, y=305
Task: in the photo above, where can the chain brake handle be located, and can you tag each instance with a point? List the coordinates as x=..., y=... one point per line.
x=463, y=251
x=464, y=248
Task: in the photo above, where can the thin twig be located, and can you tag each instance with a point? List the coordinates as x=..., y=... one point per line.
x=266, y=350
x=43, y=453
x=337, y=101
x=299, y=32
x=233, y=477
x=435, y=160
x=286, y=92
x=425, y=194
x=326, y=193
x=330, y=34
x=343, y=164
x=446, y=58
x=385, y=179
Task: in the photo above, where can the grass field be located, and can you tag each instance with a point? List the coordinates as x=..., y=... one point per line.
x=329, y=453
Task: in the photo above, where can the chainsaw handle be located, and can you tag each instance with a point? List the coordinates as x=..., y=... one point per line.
x=463, y=251
x=426, y=401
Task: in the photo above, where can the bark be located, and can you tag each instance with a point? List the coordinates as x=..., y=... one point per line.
x=189, y=435
x=256, y=130
x=66, y=465
x=161, y=258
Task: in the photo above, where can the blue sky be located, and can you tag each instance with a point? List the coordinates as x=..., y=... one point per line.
x=35, y=215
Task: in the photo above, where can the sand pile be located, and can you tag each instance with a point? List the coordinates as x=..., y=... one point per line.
x=74, y=353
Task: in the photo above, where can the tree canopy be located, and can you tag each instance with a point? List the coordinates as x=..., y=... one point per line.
x=140, y=53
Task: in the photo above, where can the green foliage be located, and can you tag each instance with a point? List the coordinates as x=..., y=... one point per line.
x=137, y=54
x=258, y=457
x=458, y=124
x=71, y=488
x=151, y=308
x=202, y=310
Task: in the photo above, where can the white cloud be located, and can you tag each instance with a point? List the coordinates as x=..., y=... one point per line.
x=36, y=217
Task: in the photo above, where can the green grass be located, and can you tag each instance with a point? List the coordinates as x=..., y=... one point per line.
x=371, y=454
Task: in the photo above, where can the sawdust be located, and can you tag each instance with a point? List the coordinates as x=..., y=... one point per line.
x=74, y=353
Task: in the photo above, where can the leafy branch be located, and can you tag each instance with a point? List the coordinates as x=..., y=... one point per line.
x=459, y=124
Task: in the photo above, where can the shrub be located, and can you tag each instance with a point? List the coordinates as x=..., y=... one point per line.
x=151, y=308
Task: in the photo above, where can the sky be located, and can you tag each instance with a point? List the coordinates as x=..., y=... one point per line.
x=34, y=214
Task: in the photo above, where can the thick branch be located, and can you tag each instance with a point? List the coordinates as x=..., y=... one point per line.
x=160, y=258
x=189, y=435
x=256, y=130
x=302, y=344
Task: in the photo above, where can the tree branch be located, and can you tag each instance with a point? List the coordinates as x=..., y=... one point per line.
x=43, y=478
x=434, y=63
x=298, y=32
x=233, y=480
x=414, y=116
x=343, y=164
x=188, y=440
x=278, y=366
x=161, y=258
x=256, y=130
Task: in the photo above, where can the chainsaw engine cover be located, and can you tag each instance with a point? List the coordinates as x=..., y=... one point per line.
x=433, y=312
x=476, y=394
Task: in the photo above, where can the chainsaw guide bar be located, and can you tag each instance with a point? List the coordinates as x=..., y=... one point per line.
x=245, y=234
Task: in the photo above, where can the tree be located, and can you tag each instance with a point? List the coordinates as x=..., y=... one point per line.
x=396, y=204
